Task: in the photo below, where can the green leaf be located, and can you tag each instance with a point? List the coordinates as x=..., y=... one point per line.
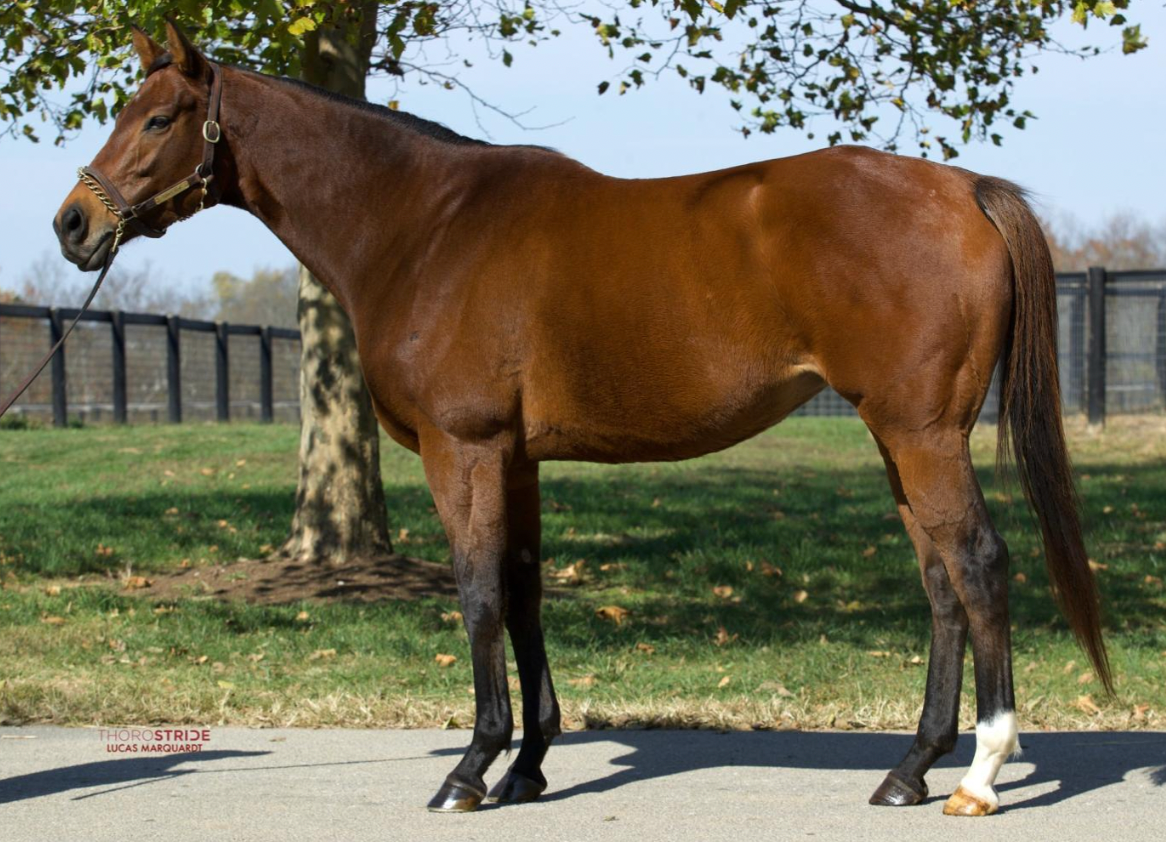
x=301, y=26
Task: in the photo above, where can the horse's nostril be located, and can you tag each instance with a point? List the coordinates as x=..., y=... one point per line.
x=73, y=223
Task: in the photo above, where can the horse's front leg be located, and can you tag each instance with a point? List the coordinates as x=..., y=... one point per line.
x=468, y=481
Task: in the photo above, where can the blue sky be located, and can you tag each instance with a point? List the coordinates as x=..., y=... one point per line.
x=1096, y=148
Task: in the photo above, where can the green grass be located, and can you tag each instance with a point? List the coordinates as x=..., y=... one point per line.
x=79, y=508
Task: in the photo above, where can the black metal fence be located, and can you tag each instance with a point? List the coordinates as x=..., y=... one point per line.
x=142, y=368
x=134, y=367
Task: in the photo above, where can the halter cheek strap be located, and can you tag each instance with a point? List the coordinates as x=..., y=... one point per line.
x=130, y=215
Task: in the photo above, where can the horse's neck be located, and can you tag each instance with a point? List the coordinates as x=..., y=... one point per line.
x=345, y=190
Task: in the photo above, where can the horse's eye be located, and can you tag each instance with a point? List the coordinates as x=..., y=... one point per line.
x=157, y=123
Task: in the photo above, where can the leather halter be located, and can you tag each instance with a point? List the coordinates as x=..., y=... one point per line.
x=130, y=215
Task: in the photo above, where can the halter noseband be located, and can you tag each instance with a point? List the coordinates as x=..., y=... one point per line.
x=131, y=215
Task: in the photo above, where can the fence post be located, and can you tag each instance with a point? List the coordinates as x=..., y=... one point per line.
x=1160, y=356
x=266, y=386
x=174, y=369
x=120, y=404
x=222, y=373
x=1096, y=290
x=1077, y=350
x=60, y=387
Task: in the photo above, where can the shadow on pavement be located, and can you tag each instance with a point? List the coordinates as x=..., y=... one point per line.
x=1078, y=762
x=131, y=771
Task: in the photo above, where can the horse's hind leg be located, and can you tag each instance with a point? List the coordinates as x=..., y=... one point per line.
x=468, y=481
x=939, y=724
x=944, y=498
x=540, y=709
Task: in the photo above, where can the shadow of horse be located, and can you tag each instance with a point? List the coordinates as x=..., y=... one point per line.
x=1077, y=762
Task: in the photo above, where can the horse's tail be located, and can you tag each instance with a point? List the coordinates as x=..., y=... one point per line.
x=1030, y=414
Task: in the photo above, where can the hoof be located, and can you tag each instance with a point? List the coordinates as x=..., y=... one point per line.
x=897, y=792
x=455, y=798
x=963, y=803
x=515, y=788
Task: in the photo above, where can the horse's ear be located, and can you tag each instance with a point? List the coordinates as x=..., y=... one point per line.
x=147, y=49
x=185, y=54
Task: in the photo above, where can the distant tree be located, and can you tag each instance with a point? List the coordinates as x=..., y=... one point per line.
x=1120, y=241
x=268, y=297
x=144, y=290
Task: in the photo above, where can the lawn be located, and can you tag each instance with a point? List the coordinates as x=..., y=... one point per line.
x=769, y=586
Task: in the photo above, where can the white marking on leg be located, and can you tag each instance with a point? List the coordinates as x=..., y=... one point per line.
x=996, y=741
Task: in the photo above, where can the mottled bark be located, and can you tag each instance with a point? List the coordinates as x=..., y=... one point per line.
x=340, y=504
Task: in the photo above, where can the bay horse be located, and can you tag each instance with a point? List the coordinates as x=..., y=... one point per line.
x=513, y=306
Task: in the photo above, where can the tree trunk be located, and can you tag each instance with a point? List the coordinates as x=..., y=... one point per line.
x=340, y=502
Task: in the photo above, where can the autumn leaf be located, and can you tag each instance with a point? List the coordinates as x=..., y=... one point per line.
x=1096, y=566
x=571, y=574
x=771, y=570
x=1085, y=678
x=723, y=591
x=451, y=617
x=443, y=660
x=869, y=551
x=584, y=681
x=322, y=654
x=723, y=637
x=53, y=590
x=915, y=661
x=801, y=596
x=303, y=617
x=724, y=682
x=879, y=653
x=613, y=613
x=53, y=620
x=104, y=551
x=134, y=583
x=1140, y=711
x=646, y=648
x=1086, y=705
x=774, y=687
x=1020, y=578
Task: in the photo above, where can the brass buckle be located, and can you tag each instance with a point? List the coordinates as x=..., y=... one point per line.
x=209, y=127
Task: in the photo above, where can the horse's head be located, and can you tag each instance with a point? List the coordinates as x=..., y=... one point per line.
x=157, y=141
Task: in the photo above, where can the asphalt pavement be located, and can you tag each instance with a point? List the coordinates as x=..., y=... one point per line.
x=646, y=786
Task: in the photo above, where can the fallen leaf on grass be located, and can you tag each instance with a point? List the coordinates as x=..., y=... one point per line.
x=879, y=653
x=801, y=596
x=571, y=574
x=1020, y=578
x=321, y=654
x=1086, y=705
x=723, y=637
x=774, y=687
x=646, y=648
x=915, y=661
x=451, y=617
x=1140, y=711
x=724, y=682
x=612, y=565
x=1095, y=566
x=104, y=551
x=303, y=617
x=613, y=613
x=1069, y=667
x=768, y=569
x=53, y=590
x=443, y=660
x=226, y=685
x=869, y=551
x=134, y=583
x=723, y=591
x=53, y=620
x=1085, y=678
x=585, y=681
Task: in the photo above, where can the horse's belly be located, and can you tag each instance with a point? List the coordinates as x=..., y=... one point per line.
x=656, y=425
